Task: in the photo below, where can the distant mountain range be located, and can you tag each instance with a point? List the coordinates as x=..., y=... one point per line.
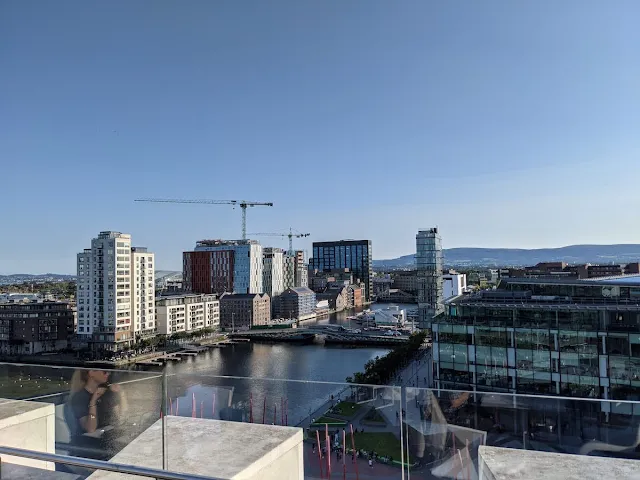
x=496, y=257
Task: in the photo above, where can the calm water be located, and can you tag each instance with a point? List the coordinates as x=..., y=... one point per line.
x=269, y=366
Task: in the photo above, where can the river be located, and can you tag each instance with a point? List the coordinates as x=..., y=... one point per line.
x=269, y=366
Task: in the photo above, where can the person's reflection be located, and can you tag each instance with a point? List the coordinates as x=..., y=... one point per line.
x=94, y=402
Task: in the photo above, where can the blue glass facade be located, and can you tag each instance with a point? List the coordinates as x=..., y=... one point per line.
x=352, y=254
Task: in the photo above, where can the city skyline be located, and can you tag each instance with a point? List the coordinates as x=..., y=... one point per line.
x=506, y=127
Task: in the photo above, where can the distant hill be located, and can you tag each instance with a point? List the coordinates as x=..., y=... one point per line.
x=495, y=257
x=34, y=278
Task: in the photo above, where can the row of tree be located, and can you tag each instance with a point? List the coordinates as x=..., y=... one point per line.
x=381, y=369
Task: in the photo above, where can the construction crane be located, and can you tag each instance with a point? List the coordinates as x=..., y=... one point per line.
x=291, y=236
x=243, y=204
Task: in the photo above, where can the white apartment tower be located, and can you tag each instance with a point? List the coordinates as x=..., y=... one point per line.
x=295, y=270
x=113, y=305
x=143, y=292
x=273, y=271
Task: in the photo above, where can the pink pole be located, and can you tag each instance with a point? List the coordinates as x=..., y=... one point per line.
x=353, y=446
x=201, y=409
x=171, y=406
x=178, y=406
x=193, y=405
x=214, y=405
x=251, y=408
x=326, y=433
x=319, y=453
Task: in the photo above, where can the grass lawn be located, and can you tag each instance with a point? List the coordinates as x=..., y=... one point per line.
x=374, y=416
x=383, y=443
x=329, y=420
x=346, y=409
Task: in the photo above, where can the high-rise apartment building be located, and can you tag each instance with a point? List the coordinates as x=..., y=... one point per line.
x=273, y=271
x=429, y=263
x=219, y=266
x=295, y=270
x=352, y=254
x=115, y=292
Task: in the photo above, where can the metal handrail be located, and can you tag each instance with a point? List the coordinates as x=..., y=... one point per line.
x=102, y=465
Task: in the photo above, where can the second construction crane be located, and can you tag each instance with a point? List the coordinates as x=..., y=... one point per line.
x=243, y=204
x=291, y=236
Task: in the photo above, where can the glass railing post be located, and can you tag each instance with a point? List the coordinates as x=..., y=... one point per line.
x=164, y=419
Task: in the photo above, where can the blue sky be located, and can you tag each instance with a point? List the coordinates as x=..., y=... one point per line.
x=507, y=124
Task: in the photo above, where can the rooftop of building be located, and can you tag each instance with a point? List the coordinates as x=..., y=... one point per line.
x=628, y=279
x=298, y=290
x=340, y=242
x=225, y=243
x=240, y=296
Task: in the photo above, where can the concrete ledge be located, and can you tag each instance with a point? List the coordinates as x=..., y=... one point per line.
x=497, y=463
x=28, y=425
x=216, y=448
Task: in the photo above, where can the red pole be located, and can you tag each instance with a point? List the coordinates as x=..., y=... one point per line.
x=177, y=406
x=326, y=434
x=319, y=453
x=264, y=409
x=193, y=405
x=353, y=446
x=251, y=408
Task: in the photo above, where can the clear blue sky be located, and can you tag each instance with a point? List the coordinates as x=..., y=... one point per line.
x=507, y=124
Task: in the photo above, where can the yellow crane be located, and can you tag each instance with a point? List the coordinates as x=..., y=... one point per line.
x=243, y=204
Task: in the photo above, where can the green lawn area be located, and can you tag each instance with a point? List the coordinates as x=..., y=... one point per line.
x=328, y=420
x=346, y=409
x=383, y=443
x=375, y=417
x=24, y=387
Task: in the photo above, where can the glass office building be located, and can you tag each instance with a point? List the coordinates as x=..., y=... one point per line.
x=352, y=254
x=577, y=338
x=429, y=262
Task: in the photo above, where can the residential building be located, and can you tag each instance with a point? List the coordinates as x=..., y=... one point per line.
x=406, y=281
x=319, y=281
x=338, y=298
x=297, y=302
x=561, y=269
x=382, y=286
x=273, y=271
x=429, y=263
x=143, y=293
x=352, y=254
x=219, y=266
x=241, y=311
x=30, y=327
x=295, y=270
x=168, y=281
x=356, y=295
x=187, y=313
x=24, y=297
x=453, y=284
x=115, y=292
x=569, y=337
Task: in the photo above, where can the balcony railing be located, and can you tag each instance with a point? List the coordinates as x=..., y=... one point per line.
x=406, y=432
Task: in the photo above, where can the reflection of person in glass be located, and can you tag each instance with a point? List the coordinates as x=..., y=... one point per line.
x=95, y=402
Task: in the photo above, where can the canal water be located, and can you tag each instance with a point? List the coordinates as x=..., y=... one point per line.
x=280, y=375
